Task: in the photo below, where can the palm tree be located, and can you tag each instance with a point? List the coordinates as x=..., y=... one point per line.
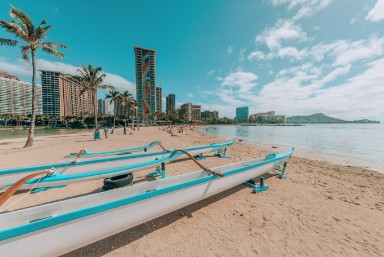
x=113, y=96
x=32, y=37
x=133, y=108
x=125, y=100
x=90, y=79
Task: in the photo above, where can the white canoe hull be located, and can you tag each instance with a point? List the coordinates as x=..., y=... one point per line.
x=71, y=235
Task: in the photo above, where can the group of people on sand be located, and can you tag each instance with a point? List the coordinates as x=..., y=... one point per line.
x=171, y=128
x=97, y=133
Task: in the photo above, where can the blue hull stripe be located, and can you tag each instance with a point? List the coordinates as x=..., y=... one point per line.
x=115, y=151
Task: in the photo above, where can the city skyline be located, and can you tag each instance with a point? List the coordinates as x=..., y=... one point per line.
x=289, y=60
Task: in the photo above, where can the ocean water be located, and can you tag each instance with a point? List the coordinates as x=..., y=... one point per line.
x=348, y=144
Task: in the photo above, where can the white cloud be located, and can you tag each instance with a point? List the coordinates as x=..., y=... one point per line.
x=17, y=68
x=340, y=71
x=256, y=55
x=209, y=73
x=24, y=69
x=306, y=8
x=189, y=94
x=241, y=55
x=376, y=14
x=300, y=91
x=229, y=50
x=120, y=83
x=283, y=30
x=350, y=52
x=243, y=81
x=289, y=52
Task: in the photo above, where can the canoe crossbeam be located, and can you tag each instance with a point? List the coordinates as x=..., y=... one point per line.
x=160, y=171
x=282, y=174
x=222, y=153
x=257, y=188
x=199, y=157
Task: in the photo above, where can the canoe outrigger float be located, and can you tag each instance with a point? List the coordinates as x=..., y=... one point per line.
x=87, y=154
x=63, y=226
x=64, y=173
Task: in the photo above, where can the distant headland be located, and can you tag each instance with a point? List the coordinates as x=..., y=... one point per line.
x=322, y=118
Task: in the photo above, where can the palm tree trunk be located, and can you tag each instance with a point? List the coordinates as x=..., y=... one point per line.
x=31, y=131
x=114, y=116
x=125, y=123
x=132, y=120
x=95, y=107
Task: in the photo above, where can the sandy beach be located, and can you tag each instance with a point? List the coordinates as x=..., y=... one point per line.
x=322, y=209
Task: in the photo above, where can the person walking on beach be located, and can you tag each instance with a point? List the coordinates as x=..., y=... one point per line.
x=106, y=132
x=96, y=134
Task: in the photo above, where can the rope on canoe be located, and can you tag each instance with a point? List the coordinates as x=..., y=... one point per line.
x=13, y=189
x=208, y=170
x=162, y=147
x=23, y=196
x=81, y=152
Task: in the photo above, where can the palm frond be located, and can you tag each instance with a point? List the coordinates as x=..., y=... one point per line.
x=25, y=51
x=14, y=29
x=52, y=51
x=8, y=42
x=53, y=45
x=83, y=91
x=23, y=19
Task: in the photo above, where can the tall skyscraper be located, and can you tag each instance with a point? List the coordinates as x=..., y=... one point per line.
x=170, y=104
x=159, y=99
x=16, y=96
x=193, y=111
x=61, y=95
x=242, y=113
x=102, y=107
x=145, y=60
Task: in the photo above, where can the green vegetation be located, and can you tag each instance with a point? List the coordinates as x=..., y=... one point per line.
x=113, y=97
x=322, y=118
x=91, y=79
x=32, y=38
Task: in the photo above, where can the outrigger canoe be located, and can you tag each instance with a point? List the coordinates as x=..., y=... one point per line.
x=64, y=173
x=89, y=154
x=56, y=228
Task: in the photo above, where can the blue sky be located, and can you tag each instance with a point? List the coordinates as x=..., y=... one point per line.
x=294, y=56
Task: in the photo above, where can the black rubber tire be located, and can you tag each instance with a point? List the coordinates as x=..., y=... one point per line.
x=118, y=181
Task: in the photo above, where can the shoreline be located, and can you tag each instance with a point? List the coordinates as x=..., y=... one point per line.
x=321, y=208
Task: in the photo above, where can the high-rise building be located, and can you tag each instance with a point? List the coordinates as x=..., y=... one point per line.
x=196, y=112
x=145, y=60
x=267, y=117
x=170, y=104
x=193, y=111
x=61, y=95
x=16, y=96
x=159, y=99
x=242, y=113
x=186, y=109
x=102, y=107
x=209, y=114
